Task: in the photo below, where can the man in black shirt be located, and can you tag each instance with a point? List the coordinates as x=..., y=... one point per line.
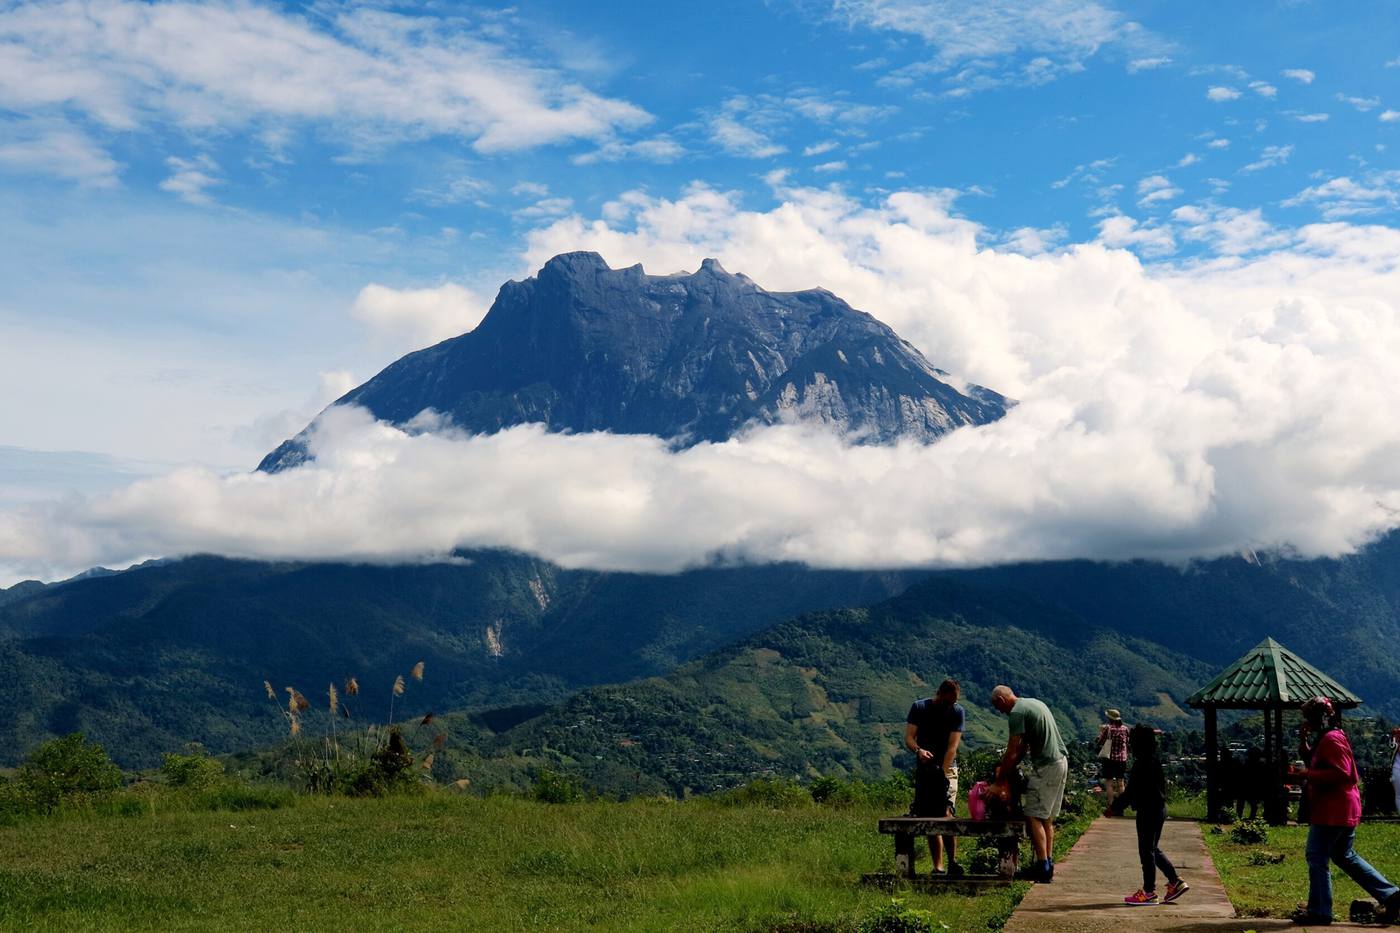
x=935, y=727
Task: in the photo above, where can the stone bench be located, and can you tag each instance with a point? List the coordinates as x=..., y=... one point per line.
x=907, y=829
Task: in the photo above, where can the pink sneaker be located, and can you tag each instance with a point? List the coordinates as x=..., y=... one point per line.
x=1141, y=899
x=1175, y=890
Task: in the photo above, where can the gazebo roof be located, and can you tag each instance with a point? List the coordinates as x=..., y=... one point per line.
x=1270, y=676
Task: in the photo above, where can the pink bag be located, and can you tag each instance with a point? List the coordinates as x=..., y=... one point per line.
x=976, y=806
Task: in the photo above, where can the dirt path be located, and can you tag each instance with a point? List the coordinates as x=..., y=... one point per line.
x=1087, y=896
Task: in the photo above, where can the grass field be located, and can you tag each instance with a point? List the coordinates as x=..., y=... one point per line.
x=1259, y=886
x=457, y=862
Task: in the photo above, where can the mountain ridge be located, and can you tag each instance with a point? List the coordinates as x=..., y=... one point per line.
x=690, y=357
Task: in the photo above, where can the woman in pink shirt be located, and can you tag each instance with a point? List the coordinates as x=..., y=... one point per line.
x=1334, y=810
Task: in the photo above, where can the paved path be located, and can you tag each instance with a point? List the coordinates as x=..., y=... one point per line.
x=1087, y=895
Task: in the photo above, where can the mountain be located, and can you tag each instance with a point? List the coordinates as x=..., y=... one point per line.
x=694, y=357
x=149, y=659
x=827, y=693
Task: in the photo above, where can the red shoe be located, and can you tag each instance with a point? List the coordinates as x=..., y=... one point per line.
x=1141, y=899
x=1174, y=890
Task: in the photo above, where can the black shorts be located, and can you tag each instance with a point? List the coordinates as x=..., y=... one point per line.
x=1113, y=770
x=933, y=793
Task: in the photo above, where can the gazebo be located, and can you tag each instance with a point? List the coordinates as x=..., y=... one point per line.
x=1272, y=679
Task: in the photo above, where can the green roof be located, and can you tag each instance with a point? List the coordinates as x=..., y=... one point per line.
x=1270, y=676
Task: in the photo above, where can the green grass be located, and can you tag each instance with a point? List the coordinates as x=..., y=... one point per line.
x=1274, y=889
x=444, y=861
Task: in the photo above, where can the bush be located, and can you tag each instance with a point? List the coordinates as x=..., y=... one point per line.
x=65, y=770
x=553, y=787
x=768, y=792
x=388, y=771
x=1250, y=833
x=195, y=770
x=894, y=917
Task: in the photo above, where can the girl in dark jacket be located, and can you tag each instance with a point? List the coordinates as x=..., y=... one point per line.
x=1147, y=794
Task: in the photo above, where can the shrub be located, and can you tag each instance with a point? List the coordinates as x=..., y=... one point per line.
x=195, y=770
x=1250, y=833
x=553, y=787
x=895, y=917
x=63, y=770
x=768, y=792
x=388, y=771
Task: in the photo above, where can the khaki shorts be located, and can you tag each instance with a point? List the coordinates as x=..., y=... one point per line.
x=1045, y=790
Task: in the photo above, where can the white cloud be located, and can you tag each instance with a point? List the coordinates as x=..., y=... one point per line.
x=1120, y=231
x=1263, y=88
x=1301, y=75
x=1218, y=144
x=222, y=65
x=1058, y=36
x=1268, y=158
x=530, y=189
x=738, y=139
x=408, y=319
x=462, y=189
x=1167, y=411
x=190, y=178
x=1312, y=117
x=548, y=207
x=1390, y=116
x=1189, y=159
x=1221, y=94
x=1147, y=64
x=1363, y=104
x=819, y=148
x=1230, y=231
x=1342, y=197
x=837, y=166
x=661, y=148
x=1155, y=188
x=59, y=149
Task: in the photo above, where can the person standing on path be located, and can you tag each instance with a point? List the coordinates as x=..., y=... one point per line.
x=1395, y=765
x=1113, y=755
x=932, y=732
x=1034, y=736
x=1334, y=810
x=1146, y=793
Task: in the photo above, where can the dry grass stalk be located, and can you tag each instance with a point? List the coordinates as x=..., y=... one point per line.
x=352, y=687
x=428, y=762
x=398, y=686
x=417, y=671
x=271, y=694
x=296, y=725
x=335, y=700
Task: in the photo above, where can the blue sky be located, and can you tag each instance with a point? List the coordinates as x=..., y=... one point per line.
x=196, y=197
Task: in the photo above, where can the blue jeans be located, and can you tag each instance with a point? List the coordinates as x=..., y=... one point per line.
x=1335, y=843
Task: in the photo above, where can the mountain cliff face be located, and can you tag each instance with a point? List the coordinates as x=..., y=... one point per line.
x=694, y=357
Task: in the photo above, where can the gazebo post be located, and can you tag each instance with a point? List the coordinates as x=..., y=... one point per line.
x=1212, y=768
x=1278, y=814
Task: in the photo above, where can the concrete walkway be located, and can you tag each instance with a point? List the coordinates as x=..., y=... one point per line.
x=1090, y=883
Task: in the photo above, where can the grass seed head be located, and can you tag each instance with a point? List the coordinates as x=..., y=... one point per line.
x=335, y=699
x=428, y=762
x=398, y=686
x=417, y=671
x=271, y=694
x=352, y=687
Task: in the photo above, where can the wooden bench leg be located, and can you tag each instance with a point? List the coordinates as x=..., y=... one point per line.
x=904, y=855
x=1010, y=861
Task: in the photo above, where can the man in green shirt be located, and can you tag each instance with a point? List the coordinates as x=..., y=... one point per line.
x=1035, y=737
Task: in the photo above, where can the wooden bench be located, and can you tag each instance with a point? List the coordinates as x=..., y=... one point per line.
x=907, y=829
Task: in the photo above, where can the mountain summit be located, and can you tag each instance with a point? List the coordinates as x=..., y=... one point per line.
x=691, y=356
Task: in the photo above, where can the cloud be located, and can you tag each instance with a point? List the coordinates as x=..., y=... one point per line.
x=820, y=148
x=1270, y=156
x=58, y=149
x=982, y=45
x=1390, y=116
x=190, y=178
x=1221, y=94
x=1301, y=75
x=736, y=138
x=1341, y=197
x=837, y=166
x=1263, y=89
x=1147, y=64
x=1167, y=411
x=530, y=189
x=407, y=319
x=661, y=148
x=1156, y=188
x=1312, y=117
x=1189, y=159
x=1230, y=231
x=365, y=72
x=1120, y=231
x=1363, y=104
x=548, y=207
x=1218, y=144
x=461, y=189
